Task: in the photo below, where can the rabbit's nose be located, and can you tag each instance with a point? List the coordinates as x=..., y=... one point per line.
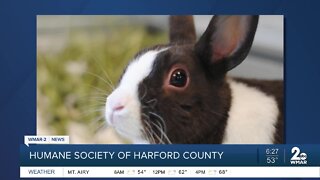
x=117, y=102
x=118, y=107
x=117, y=110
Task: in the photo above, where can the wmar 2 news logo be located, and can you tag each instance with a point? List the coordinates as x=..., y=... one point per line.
x=298, y=157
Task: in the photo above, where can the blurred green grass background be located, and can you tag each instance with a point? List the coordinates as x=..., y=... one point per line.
x=72, y=82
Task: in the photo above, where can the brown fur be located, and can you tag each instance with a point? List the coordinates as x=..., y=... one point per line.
x=199, y=112
x=182, y=29
x=197, y=115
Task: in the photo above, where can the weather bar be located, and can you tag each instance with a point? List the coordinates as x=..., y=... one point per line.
x=169, y=172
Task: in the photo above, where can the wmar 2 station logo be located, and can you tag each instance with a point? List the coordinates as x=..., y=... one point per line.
x=298, y=157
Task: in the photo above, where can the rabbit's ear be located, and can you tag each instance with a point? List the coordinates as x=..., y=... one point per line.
x=227, y=40
x=182, y=29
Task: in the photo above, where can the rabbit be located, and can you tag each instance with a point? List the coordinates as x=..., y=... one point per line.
x=180, y=93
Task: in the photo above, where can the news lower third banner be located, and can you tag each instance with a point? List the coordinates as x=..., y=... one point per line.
x=170, y=155
x=66, y=160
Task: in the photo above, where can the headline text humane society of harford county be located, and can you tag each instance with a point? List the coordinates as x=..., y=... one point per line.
x=147, y=155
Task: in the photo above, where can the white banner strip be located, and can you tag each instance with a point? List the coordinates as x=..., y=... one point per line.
x=46, y=140
x=170, y=172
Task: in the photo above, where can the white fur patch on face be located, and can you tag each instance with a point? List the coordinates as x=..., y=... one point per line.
x=127, y=120
x=252, y=116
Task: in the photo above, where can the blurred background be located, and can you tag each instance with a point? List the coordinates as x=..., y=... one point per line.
x=80, y=58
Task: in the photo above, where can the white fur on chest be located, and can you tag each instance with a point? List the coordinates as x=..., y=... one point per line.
x=252, y=116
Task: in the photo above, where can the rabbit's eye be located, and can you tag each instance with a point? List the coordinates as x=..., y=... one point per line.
x=178, y=78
